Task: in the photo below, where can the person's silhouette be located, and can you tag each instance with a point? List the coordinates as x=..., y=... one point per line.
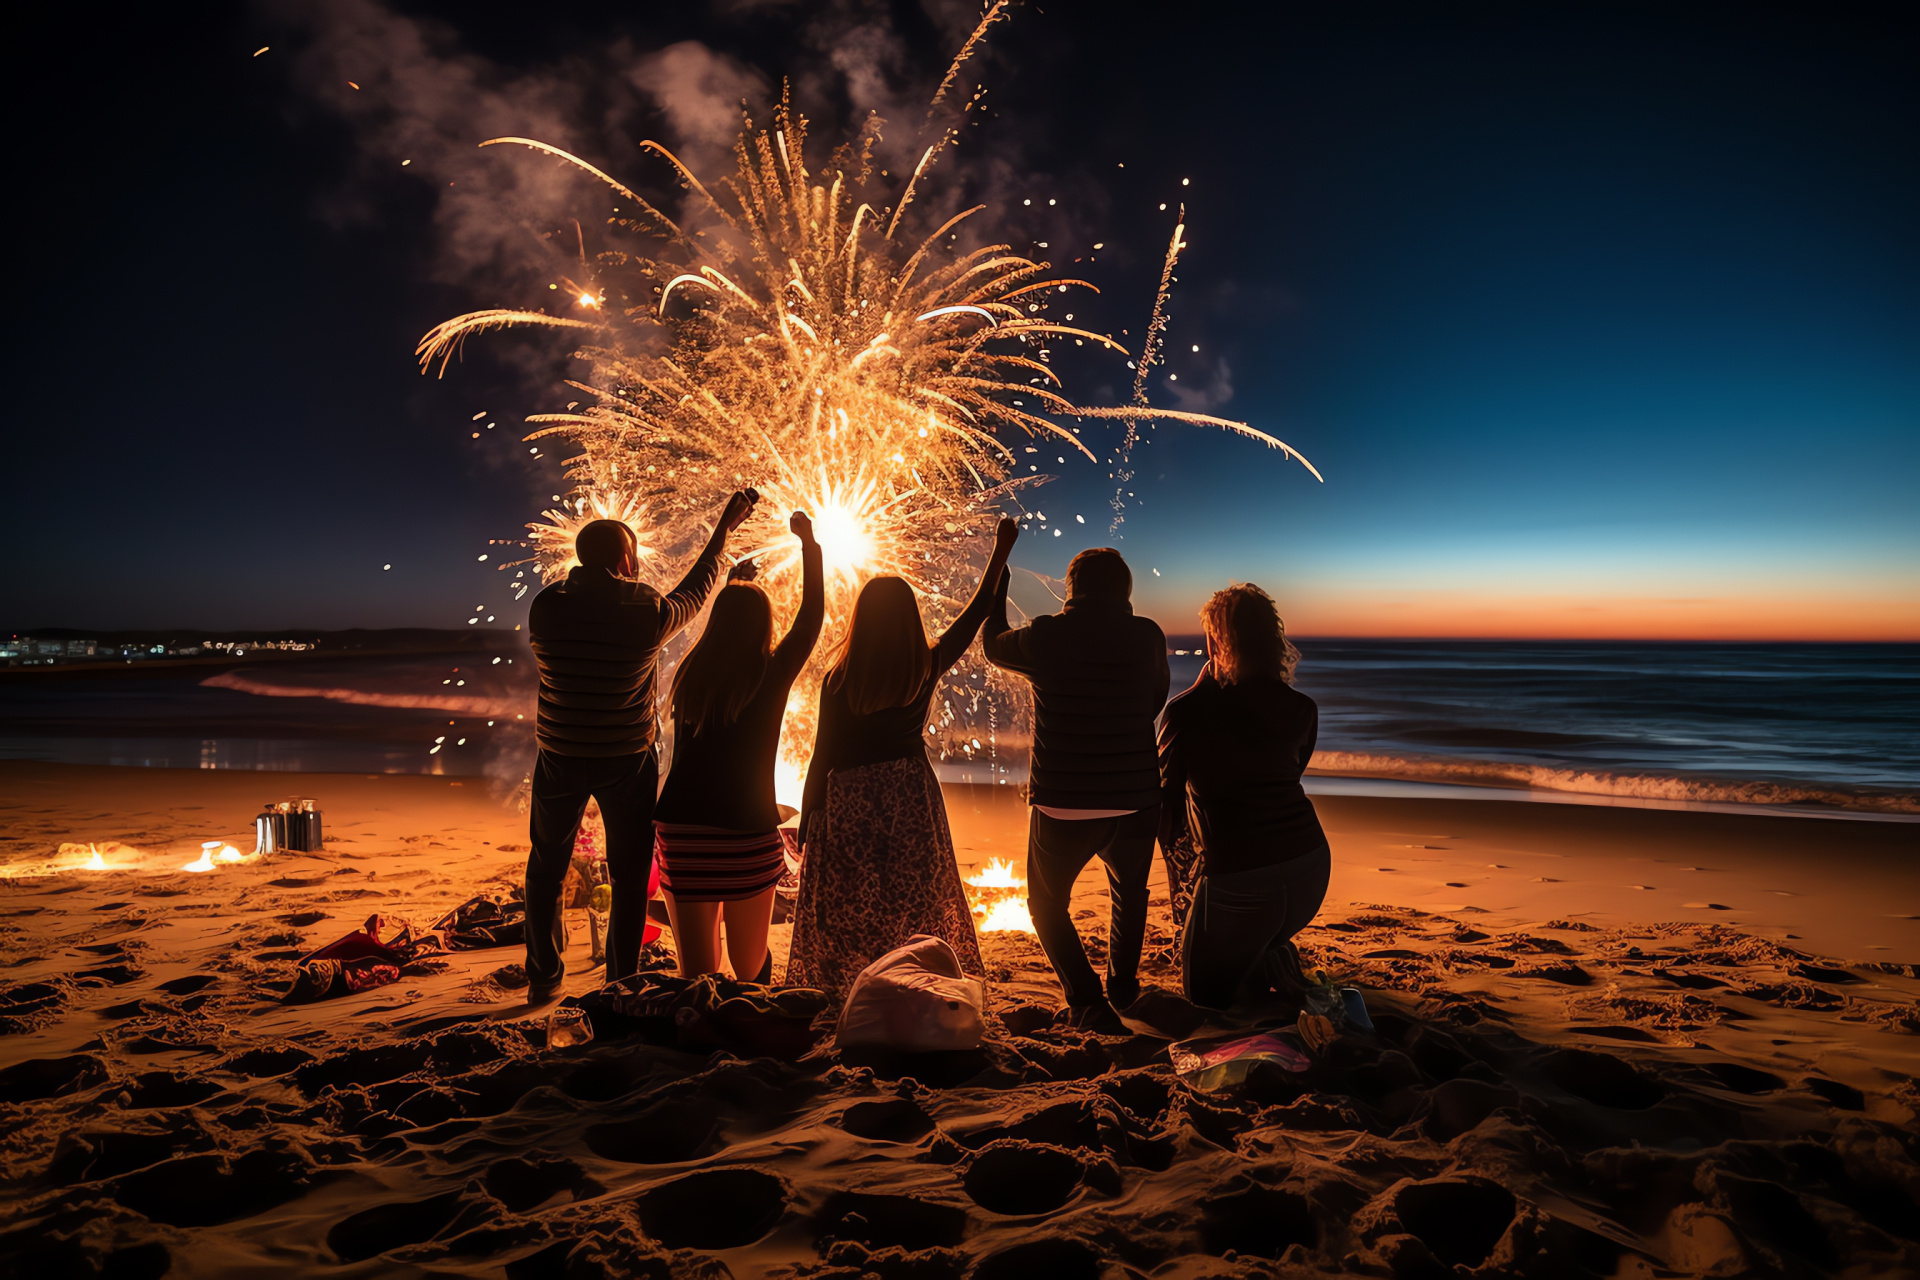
x=597, y=637
x=1099, y=676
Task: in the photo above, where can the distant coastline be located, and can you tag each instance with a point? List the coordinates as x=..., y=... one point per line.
x=68, y=651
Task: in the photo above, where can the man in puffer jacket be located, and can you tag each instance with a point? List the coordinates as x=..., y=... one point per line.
x=1099, y=676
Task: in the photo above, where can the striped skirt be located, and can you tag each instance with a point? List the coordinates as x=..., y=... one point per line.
x=709, y=864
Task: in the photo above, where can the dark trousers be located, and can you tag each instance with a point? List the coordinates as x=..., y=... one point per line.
x=1057, y=851
x=1241, y=925
x=626, y=787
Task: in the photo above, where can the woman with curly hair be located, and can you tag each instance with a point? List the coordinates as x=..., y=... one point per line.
x=1232, y=749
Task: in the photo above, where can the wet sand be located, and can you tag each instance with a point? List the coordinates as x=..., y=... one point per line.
x=1609, y=1042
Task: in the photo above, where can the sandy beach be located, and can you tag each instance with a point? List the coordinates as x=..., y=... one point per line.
x=1609, y=1041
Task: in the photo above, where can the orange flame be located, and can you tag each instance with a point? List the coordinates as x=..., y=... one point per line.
x=997, y=893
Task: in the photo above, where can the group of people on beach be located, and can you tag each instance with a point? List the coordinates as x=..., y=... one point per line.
x=1115, y=768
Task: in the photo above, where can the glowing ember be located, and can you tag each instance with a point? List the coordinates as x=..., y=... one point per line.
x=998, y=896
x=96, y=862
x=788, y=332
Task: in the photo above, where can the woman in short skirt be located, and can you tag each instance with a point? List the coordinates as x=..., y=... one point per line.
x=879, y=864
x=717, y=827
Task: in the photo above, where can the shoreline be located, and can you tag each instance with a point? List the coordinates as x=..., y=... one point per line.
x=1383, y=785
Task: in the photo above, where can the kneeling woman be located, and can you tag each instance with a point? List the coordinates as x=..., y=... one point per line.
x=879, y=856
x=718, y=841
x=1232, y=749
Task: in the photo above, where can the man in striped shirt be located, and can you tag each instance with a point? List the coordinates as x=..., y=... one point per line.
x=597, y=638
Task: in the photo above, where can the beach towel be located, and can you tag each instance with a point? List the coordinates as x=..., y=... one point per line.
x=375, y=954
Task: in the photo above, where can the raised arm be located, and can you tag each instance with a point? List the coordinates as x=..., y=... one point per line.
x=683, y=604
x=1004, y=644
x=805, y=631
x=954, y=640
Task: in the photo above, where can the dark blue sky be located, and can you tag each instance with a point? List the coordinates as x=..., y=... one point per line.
x=1599, y=319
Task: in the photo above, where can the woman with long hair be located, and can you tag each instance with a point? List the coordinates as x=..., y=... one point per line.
x=717, y=825
x=879, y=864
x=1232, y=749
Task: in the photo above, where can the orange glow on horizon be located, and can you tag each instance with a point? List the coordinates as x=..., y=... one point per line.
x=1811, y=617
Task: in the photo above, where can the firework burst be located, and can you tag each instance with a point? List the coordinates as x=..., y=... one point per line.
x=789, y=337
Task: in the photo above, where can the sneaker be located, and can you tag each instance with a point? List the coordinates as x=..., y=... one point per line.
x=1099, y=1018
x=544, y=992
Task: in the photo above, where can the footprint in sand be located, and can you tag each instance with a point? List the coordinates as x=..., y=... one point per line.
x=1639, y=886
x=1545, y=880
x=713, y=1208
x=1706, y=906
x=1018, y=1178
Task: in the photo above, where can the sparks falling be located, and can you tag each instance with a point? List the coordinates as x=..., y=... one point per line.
x=786, y=334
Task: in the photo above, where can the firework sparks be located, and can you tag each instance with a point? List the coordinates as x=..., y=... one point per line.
x=792, y=345
x=1149, y=350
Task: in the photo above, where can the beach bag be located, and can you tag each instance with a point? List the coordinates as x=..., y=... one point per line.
x=482, y=921
x=915, y=999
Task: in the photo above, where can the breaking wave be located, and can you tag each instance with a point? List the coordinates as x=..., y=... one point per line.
x=456, y=703
x=1636, y=786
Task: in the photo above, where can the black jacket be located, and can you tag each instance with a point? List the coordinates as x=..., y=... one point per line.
x=1099, y=676
x=1231, y=757
x=597, y=639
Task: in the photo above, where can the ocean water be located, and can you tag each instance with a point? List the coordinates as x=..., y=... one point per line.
x=1835, y=726
x=460, y=714
x=1730, y=723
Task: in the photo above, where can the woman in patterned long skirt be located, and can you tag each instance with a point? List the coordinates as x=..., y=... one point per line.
x=718, y=838
x=879, y=863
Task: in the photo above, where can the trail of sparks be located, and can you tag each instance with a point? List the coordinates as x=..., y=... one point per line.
x=1149, y=351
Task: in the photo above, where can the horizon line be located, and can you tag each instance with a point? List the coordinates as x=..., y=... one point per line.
x=1434, y=638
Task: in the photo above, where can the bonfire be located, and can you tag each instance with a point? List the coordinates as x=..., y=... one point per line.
x=998, y=895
